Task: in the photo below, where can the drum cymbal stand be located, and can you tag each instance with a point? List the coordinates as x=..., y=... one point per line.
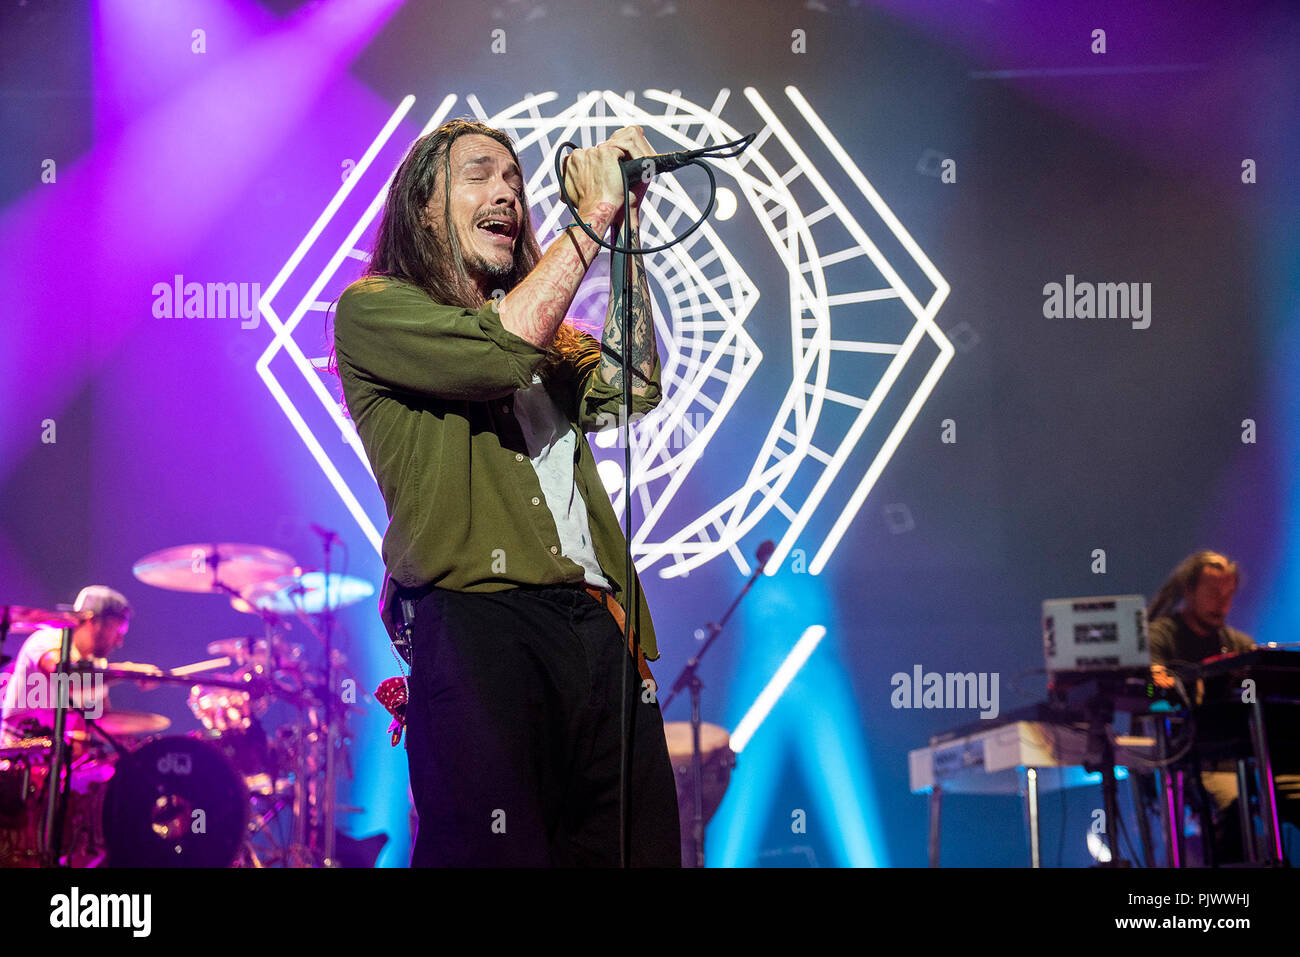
x=331, y=768
x=56, y=801
x=323, y=797
x=260, y=827
x=297, y=852
x=307, y=845
x=690, y=678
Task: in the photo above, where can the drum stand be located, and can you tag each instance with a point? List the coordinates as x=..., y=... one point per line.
x=312, y=838
x=248, y=851
x=296, y=849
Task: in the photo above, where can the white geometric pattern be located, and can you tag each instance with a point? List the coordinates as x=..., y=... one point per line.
x=703, y=299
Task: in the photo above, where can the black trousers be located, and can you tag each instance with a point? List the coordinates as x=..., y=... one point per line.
x=513, y=735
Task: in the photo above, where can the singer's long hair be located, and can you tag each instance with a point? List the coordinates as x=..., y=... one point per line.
x=428, y=254
x=1184, y=578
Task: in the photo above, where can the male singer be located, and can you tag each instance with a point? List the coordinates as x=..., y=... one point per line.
x=472, y=398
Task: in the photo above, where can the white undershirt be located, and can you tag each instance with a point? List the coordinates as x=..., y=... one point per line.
x=551, y=444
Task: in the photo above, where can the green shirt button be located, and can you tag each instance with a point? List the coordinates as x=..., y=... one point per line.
x=536, y=500
x=519, y=457
x=554, y=550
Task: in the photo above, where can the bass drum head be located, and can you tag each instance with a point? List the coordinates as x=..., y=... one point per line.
x=176, y=802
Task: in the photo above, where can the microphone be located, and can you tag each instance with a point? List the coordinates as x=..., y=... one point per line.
x=644, y=168
x=324, y=533
x=765, y=551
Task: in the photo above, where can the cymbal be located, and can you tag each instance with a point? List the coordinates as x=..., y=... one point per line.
x=306, y=593
x=34, y=747
x=120, y=723
x=233, y=648
x=228, y=568
x=242, y=682
x=113, y=723
x=22, y=747
x=23, y=619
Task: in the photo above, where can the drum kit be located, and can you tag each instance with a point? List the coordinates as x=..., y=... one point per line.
x=230, y=794
x=233, y=794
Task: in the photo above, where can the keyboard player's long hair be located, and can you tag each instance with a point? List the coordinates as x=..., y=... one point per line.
x=1183, y=580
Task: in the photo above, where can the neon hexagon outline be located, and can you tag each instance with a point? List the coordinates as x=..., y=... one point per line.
x=773, y=469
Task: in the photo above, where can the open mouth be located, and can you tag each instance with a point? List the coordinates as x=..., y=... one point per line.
x=500, y=231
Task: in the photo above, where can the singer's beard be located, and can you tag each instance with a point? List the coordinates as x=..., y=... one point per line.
x=491, y=270
x=488, y=271
x=478, y=272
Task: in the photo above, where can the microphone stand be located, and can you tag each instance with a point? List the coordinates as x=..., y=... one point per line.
x=631, y=613
x=690, y=678
x=56, y=801
x=632, y=618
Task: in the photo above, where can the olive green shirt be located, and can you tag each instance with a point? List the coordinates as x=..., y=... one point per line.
x=431, y=390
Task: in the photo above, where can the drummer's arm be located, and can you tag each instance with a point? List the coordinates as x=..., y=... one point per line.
x=49, y=662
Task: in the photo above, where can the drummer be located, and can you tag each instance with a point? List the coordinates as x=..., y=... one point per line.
x=104, y=617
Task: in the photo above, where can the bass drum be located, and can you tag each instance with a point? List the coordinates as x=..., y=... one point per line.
x=175, y=802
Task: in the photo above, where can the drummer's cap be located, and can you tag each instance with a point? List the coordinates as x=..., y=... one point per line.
x=101, y=600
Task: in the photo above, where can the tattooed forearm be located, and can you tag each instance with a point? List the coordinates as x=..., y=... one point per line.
x=642, y=325
x=534, y=309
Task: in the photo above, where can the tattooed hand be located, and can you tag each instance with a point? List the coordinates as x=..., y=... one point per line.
x=632, y=144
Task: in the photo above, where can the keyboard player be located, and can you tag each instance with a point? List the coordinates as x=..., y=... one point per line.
x=1187, y=623
x=1188, y=617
